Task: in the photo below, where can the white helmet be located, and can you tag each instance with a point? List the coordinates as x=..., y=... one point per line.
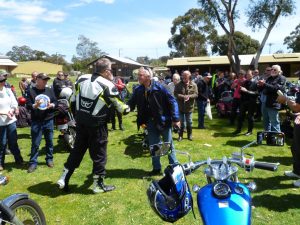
x=66, y=93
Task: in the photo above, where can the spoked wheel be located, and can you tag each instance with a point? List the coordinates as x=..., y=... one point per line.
x=29, y=212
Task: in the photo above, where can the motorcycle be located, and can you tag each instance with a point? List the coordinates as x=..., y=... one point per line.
x=19, y=209
x=64, y=119
x=223, y=200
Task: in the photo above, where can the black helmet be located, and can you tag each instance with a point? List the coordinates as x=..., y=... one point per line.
x=170, y=197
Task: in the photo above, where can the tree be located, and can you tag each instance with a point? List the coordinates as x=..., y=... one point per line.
x=264, y=14
x=87, y=51
x=244, y=43
x=293, y=41
x=224, y=13
x=22, y=53
x=190, y=34
x=261, y=13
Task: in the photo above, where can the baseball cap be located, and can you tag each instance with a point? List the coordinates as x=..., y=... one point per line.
x=43, y=76
x=2, y=77
x=3, y=72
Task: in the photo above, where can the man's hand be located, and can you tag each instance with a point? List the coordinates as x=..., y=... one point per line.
x=281, y=99
x=176, y=124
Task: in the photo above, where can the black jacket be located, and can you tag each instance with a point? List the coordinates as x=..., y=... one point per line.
x=37, y=114
x=272, y=85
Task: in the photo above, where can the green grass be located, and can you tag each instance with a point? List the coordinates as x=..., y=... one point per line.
x=276, y=201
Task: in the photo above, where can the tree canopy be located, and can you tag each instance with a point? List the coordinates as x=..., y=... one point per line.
x=244, y=43
x=191, y=34
x=293, y=41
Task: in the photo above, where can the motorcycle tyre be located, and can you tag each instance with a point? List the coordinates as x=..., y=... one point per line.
x=32, y=208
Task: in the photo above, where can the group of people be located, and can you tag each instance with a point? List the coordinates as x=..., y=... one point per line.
x=161, y=108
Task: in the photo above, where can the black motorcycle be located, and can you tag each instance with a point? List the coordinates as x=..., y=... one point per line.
x=19, y=209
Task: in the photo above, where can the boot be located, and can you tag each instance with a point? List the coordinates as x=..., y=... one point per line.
x=180, y=133
x=189, y=133
x=99, y=186
x=63, y=182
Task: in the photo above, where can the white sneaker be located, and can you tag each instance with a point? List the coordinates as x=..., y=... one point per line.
x=297, y=183
x=291, y=174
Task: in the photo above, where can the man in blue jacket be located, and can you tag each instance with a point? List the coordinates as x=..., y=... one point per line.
x=158, y=110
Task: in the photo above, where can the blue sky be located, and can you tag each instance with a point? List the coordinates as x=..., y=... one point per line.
x=128, y=28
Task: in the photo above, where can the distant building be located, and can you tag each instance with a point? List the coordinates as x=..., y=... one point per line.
x=120, y=66
x=7, y=64
x=289, y=62
x=28, y=67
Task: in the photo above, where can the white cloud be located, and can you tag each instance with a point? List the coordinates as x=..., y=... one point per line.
x=86, y=2
x=29, y=11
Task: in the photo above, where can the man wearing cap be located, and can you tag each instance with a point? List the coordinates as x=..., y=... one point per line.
x=203, y=98
x=42, y=114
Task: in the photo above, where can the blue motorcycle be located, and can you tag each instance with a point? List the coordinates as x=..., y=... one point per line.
x=223, y=200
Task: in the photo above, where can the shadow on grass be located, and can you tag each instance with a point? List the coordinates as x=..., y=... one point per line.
x=277, y=203
x=238, y=143
x=24, y=136
x=134, y=146
x=51, y=190
x=131, y=173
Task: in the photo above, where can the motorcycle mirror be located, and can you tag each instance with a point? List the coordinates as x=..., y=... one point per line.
x=251, y=186
x=196, y=188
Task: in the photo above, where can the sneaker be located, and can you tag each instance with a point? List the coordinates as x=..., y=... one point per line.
x=297, y=183
x=121, y=127
x=1, y=168
x=154, y=172
x=31, y=168
x=100, y=187
x=190, y=137
x=248, y=133
x=236, y=132
x=179, y=138
x=291, y=174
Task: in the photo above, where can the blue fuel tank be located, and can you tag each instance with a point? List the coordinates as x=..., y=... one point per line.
x=232, y=210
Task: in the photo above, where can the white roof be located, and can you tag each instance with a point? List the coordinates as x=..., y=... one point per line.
x=5, y=61
x=125, y=60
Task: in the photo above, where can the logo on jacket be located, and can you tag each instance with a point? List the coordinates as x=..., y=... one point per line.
x=86, y=104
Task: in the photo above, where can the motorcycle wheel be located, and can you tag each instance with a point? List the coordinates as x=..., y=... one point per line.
x=29, y=212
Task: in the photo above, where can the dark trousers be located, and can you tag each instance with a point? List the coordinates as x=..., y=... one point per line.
x=94, y=139
x=248, y=106
x=296, y=149
x=236, y=102
x=113, y=113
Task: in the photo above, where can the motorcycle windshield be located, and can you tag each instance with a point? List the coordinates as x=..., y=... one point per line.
x=233, y=210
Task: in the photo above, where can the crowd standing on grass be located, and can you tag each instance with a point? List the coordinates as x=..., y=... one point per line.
x=162, y=107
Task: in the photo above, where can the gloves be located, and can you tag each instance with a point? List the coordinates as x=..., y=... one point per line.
x=126, y=110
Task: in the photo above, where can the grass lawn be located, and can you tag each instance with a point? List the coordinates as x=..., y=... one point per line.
x=276, y=201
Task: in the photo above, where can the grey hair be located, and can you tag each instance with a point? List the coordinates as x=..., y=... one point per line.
x=278, y=68
x=102, y=64
x=147, y=71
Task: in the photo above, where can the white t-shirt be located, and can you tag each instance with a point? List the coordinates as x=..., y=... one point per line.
x=7, y=102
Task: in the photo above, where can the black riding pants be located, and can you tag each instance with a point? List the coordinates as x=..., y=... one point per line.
x=94, y=139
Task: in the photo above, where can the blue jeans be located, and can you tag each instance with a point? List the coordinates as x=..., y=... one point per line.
x=186, y=119
x=154, y=138
x=38, y=128
x=201, y=112
x=270, y=118
x=9, y=132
